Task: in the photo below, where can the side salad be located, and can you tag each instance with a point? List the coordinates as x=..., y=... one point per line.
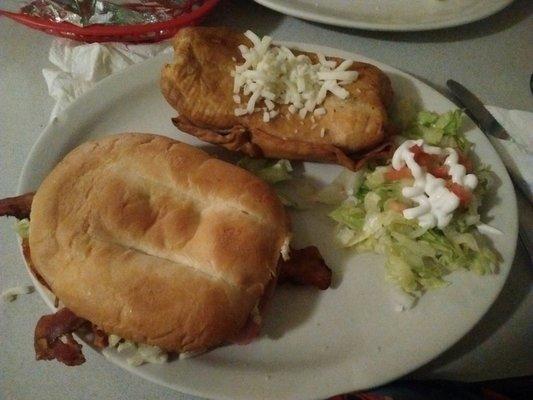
x=373, y=214
x=381, y=207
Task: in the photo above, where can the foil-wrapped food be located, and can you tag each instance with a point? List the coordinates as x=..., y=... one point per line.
x=110, y=12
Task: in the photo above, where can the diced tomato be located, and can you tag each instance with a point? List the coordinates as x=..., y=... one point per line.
x=416, y=149
x=465, y=196
x=396, y=175
x=431, y=162
x=440, y=172
x=428, y=160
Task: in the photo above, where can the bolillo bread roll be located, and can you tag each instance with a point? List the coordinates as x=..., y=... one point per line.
x=156, y=241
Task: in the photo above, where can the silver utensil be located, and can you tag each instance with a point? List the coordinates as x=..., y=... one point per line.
x=482, y=117
x=477, y=111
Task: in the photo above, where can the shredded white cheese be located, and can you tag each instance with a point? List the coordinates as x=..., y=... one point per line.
x=22, y=228
x=275, y=75
x=319, y=111
x=11, y=294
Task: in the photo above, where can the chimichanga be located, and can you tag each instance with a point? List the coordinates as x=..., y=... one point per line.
x=199, y=84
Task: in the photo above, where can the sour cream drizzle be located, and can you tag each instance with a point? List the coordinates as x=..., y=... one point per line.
x=436, y=203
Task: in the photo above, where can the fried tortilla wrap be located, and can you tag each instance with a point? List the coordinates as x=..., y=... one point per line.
x=199, y=85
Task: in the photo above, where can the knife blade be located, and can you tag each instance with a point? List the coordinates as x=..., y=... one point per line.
x=477, y=111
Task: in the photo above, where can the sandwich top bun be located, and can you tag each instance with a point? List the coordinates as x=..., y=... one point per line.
x=156, y=241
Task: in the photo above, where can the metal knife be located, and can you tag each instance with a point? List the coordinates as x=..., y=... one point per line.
x=477, y=111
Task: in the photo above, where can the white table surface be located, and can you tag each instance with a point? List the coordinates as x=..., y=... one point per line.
x=493, y=57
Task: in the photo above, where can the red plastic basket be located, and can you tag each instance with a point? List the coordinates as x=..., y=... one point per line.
x=124, y=33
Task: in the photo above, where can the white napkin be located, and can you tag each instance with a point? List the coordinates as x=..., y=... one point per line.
x=78, y=66
x=516, y=154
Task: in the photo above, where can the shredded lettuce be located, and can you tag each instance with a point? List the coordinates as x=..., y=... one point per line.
x=22, y=227
x=294, y=192
x=417, y=259
x=349, y=215
x=271, y=171
x=439, y=129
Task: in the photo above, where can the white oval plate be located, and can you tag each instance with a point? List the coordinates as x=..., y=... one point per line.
x=315, y=344
x=389, y=15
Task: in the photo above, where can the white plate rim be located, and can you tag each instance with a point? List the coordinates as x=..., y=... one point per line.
x=116, y=79
x=282, y=7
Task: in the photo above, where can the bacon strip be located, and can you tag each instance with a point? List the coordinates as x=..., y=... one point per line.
x=53, y=338
x=18, y=207
x=53, y=333
x=305, y=267
x=100, y=339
